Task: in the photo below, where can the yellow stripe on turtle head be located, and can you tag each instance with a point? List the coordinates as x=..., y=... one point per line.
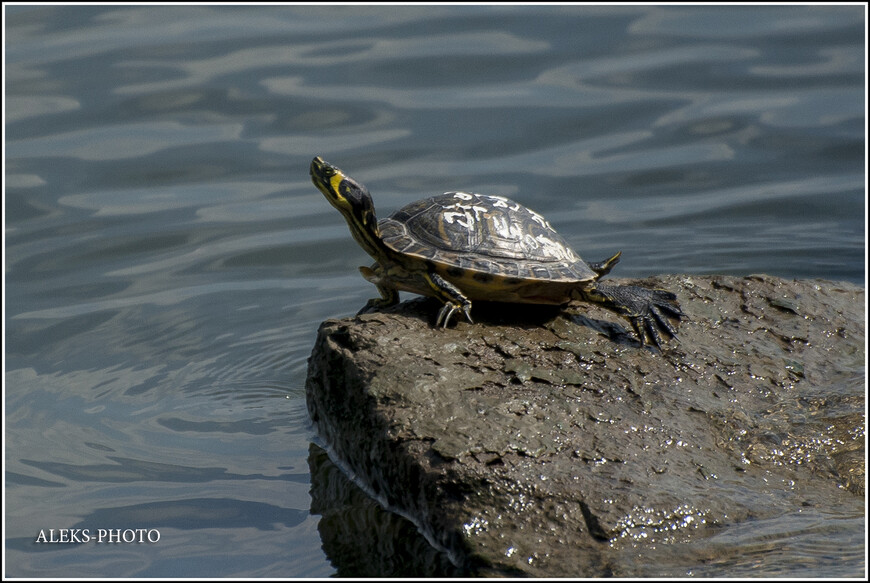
x=327, y=178
x=335, y=183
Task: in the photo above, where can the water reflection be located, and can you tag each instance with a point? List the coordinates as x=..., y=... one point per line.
x=360, y=538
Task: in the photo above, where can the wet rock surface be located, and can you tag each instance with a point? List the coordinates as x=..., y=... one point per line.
x=548, y=443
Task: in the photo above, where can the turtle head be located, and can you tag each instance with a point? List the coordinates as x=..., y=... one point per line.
x=351, y=198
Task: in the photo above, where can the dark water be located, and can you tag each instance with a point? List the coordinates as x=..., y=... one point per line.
x=168, y=261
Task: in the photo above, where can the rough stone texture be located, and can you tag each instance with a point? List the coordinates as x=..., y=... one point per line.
x=549, y=443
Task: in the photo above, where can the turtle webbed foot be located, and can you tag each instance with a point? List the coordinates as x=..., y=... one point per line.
x=649, y=311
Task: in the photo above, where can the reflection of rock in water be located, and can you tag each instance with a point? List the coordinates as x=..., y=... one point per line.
x=552, y=444
x=362, y=539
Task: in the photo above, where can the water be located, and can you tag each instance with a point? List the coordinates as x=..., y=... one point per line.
x=168, y=261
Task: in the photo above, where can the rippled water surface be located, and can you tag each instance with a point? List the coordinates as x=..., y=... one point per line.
x=168, y=260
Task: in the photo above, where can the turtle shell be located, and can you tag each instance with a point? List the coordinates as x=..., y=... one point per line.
x=483, y=234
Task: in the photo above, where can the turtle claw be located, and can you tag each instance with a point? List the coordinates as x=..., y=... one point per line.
x=447, y=311
x=648, y=328
x=451, y=296
x=662, y=319
x=444, y=315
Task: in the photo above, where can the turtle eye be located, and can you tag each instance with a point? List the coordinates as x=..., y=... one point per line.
x=322, y=168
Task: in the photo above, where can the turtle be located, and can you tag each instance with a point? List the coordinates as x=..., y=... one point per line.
x=461, y=246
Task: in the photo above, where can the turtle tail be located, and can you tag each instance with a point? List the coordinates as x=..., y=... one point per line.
x=602, y=268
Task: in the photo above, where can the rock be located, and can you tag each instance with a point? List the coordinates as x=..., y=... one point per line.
x=548, y=443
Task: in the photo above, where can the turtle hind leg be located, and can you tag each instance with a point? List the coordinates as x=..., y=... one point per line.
x=649, y=311
x=454, y=300
x=602, y=268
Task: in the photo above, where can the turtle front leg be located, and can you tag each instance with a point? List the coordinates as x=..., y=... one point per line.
x=389, y=295
x=452, y=297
